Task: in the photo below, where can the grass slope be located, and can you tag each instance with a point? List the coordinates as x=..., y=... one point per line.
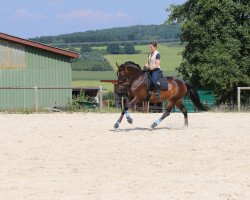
x=170, y=57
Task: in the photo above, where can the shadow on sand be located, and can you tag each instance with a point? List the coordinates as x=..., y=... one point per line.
x=146, y=129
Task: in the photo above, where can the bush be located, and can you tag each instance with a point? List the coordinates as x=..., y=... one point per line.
x=113, y=48
x=129, y=48
x=108, y=98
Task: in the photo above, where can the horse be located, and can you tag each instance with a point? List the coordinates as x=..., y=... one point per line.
x=132, y=79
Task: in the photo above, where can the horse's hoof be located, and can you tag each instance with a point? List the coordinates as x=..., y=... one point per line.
x=130, y=120
x=153, y=125
x=116, y=125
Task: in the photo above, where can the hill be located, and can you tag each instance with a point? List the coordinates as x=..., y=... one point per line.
x=120, y=34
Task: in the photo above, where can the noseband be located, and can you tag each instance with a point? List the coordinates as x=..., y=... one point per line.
x=122, y=83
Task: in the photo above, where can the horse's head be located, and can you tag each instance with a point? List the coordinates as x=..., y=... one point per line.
x=122, y=78
x=127, y=73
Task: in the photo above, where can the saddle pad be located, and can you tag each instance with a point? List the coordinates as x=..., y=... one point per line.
x=163, y=83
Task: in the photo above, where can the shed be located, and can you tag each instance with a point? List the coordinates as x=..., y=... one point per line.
x=25, y=66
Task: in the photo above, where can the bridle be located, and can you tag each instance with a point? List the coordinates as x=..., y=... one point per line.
x=123, y=83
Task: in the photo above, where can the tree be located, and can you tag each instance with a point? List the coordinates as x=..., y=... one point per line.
x=113, y=48
x=129, y=48
x=85, y=48
x=217, y=38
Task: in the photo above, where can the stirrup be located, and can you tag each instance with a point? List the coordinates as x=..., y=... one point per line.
x=149, y=93
x=158, y=96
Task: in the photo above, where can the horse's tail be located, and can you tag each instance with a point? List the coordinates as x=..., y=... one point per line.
x=194, y=96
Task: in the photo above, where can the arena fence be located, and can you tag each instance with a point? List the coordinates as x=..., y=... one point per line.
x=36, y=92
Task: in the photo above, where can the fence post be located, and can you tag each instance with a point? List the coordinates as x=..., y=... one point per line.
x=238, y=98
x=36, y=98
x=100, y=97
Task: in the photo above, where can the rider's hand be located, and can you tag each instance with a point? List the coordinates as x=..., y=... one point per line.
x=145, y=69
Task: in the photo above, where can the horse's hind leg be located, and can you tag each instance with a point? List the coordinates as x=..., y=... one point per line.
x=182, y=108
x=165, y=114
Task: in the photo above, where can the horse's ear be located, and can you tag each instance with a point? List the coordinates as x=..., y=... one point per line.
x=117, y=65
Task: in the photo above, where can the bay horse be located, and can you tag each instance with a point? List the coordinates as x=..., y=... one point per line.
x=133, y=79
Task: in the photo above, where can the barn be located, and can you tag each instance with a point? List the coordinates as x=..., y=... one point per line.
x=32, y=72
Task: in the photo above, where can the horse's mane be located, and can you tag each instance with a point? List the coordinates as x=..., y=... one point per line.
x=132, y=63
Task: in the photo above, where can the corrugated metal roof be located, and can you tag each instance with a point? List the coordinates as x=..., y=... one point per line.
x=38, y=45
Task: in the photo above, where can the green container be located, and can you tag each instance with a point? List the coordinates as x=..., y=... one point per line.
x=205, y=96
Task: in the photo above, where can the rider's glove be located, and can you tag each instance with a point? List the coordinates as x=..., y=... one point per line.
x=145, y=69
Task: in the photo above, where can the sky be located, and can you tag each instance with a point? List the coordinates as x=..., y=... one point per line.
x=34, y=18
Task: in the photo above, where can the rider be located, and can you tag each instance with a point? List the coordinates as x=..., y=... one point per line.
x=153, y=64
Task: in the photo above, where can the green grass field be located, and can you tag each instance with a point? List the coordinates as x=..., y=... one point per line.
x=87, y=78
x=170, y=59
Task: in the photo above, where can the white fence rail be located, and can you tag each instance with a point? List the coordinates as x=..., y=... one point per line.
x=36, y=88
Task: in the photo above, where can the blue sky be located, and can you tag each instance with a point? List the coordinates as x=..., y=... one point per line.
x=31, y=18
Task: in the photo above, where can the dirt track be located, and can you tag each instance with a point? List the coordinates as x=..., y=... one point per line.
x=80, y=156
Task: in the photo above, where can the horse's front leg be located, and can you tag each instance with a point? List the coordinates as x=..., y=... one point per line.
x=116, y=125
x=129, y=119
x=126, y=113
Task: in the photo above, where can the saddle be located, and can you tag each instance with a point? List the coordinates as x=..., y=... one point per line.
x=162, y=82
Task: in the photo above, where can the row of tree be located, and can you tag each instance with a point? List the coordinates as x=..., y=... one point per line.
x=131, y=33
x=115, y=48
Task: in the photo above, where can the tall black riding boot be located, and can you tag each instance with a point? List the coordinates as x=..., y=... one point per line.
x=157, y=91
